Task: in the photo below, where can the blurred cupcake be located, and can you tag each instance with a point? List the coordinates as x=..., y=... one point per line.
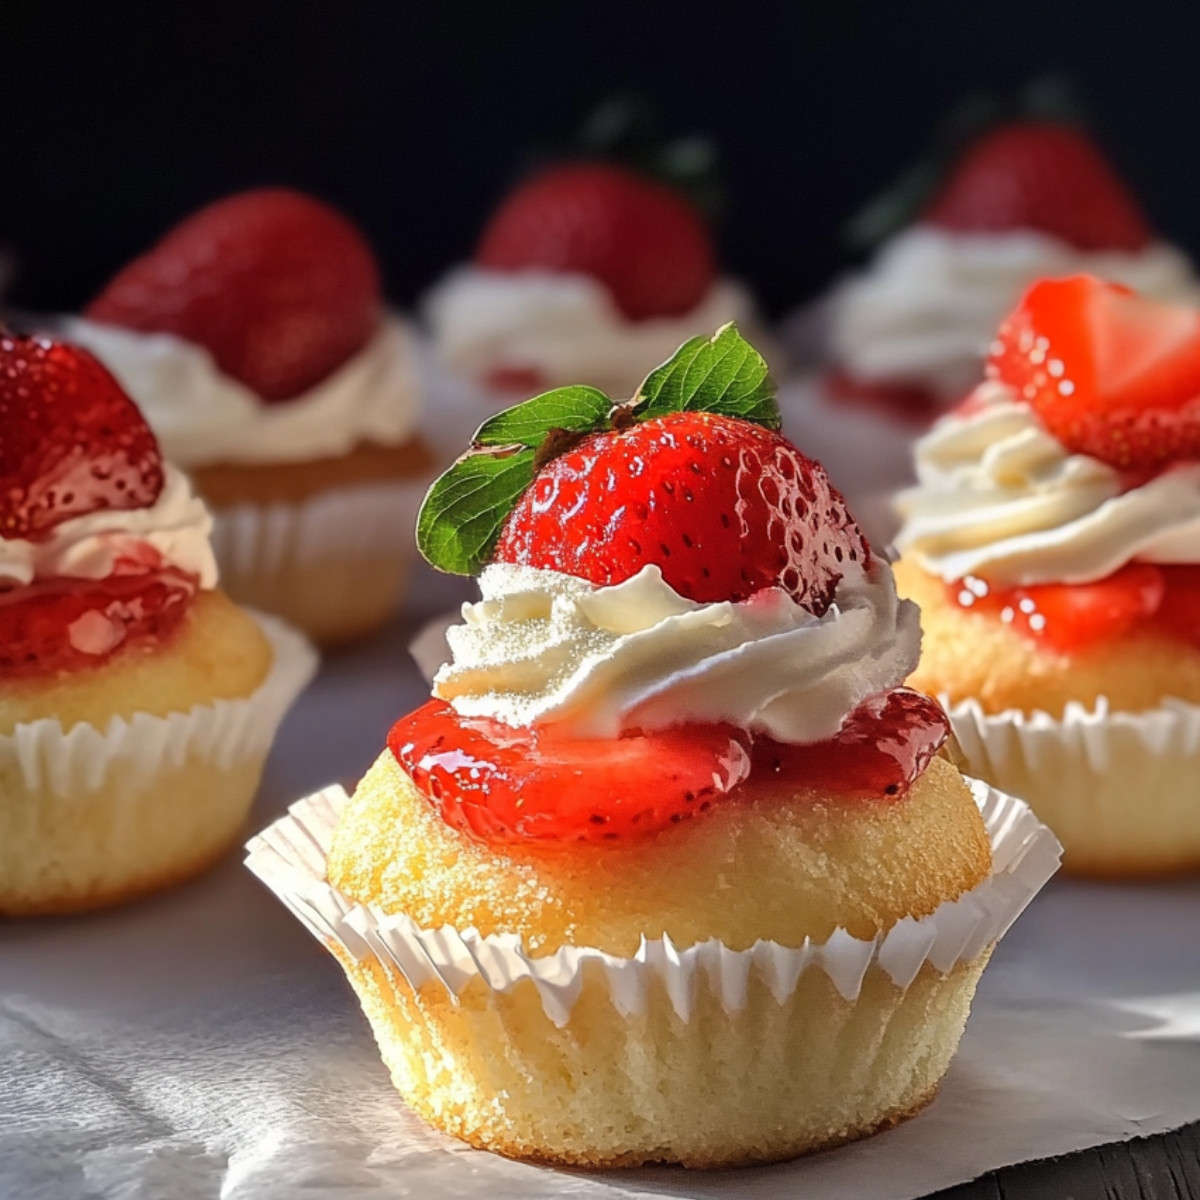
x=137, y=703
x=1053, y=543
x=592, y=270
x=255, y=339
x=704, y=890
x=903, y=339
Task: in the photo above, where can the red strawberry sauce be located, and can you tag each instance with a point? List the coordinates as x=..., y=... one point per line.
x=1069, y=618
x=504, y=785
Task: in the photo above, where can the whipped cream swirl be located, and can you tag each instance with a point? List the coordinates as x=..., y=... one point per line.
x=925, y=310
x=545, y=647
x=564, y=326
x=201, y=416
x=1000, y=497
x=176, y=526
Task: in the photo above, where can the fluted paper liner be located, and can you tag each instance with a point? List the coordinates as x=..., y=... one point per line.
x=289, y=857
x=76, y=761
x=1119, y=788
x=345, y=524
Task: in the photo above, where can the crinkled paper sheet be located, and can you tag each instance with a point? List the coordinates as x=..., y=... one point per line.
x=202, y=1045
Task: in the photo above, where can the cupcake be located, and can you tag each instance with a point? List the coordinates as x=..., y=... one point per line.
x=592, y=270
x=255, y=339
x=904, y=338
x=137, y=702
x=670, y=868
x=1053, y=543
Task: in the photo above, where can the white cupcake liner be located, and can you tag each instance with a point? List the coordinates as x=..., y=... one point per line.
x=79, y=760
x=1099, y=738
x=290, y=855
x=345, y=524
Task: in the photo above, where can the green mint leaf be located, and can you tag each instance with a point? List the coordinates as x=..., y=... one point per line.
x=721, y=374
x=575, y=409
x=466, y=508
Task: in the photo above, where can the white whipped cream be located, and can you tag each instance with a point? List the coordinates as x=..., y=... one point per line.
x=926, y=308
x=564, y=326
x=201, y=416
x=176, y=525
x=1000, y=497
x=546, y=647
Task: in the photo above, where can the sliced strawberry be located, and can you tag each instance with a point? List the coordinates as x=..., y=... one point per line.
x=1179, y=613
x=642, y=240
x=71, y=441
x=1037, y=175
x=1109, y=373
x=67, y=624
x=721, y=506
x=500, y=784
x=277, y=286
x=883, y=747
x=1072, y=616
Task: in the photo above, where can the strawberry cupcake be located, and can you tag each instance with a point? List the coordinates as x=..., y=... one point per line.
x=255, y=339
x=588, y=271
x=670, y=868
x=1053, y=543
x=137, y=702
x=904, y=338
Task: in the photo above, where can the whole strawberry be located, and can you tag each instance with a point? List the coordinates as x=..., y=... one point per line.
x=641, y=239
x=1042, y=176
x=691, y=476
x=71, y=441
x=277, y=286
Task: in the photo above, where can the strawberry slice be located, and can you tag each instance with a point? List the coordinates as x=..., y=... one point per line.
x=1043, y=176
x=1109, y=373
x=277, y=286
x=502, y=784
x=1179, y=612
x=59, y=625
x=721, y=506
x=71, y=441
x=643, y=241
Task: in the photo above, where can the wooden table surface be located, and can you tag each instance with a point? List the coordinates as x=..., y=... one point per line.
x=1156, y=1168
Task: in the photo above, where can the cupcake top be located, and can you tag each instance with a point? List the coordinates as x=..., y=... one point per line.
x=102, y=545
x=676, y=603
x=1028, y=199
x=588, y=270
x=255, y=331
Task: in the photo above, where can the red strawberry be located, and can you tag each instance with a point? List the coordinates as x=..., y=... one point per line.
x=504, y=784
x=722, y=506
x=71, y=441
x=70, y=624
x=1179, y=612
x=1036, y=175
x=1109, y=373
x=278, y=287
x=642, y=240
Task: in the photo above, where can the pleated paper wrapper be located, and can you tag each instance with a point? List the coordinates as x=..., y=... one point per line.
x=290, y=856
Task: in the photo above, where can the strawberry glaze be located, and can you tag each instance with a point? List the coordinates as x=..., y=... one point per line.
x=503, y=785
x=1069, y=618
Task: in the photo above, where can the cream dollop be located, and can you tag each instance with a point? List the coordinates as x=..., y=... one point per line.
x=545, y=647
x=176, y=525
x=927, y=306
x=564, y=326
x=1000, y=497
x=201, y=416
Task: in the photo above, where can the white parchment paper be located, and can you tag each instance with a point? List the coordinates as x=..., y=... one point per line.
x=202, y=1045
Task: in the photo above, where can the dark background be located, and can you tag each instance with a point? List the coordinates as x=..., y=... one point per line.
x=121, y=117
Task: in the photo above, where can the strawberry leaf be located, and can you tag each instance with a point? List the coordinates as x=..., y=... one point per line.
x=575, y=409
x=466, y=508
x=721, y=374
